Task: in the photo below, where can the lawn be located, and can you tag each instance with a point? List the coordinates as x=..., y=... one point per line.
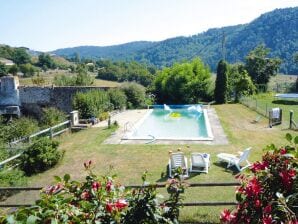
x=129, y=161
x=264, y=102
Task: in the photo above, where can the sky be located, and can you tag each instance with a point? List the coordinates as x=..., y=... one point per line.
x=47, y=25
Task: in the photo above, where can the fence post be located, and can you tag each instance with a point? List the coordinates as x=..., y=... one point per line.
x=51, y=133
x=291, y=118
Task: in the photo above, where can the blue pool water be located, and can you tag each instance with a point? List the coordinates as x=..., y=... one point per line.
x=187, y=122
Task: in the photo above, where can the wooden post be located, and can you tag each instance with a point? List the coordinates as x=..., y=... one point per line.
x=51, y=133
x=291, y=118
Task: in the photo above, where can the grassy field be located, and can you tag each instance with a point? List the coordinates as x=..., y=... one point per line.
x=129, y=161
x=49, y=77
x=264, y=102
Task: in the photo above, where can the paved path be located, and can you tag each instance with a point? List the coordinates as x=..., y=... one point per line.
x=133, y=116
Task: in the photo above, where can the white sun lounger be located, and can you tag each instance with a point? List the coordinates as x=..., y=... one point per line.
x=234, y=160
x=178, y=160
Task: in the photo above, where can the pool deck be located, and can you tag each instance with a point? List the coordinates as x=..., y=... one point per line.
x=133, y=116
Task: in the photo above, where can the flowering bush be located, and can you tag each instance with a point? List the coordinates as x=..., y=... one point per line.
x=99, y=200
x=269, y=192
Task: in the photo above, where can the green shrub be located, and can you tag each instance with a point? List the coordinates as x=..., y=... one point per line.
x=135, y=94
x=117, y=98
x=52, y=116
x=103, y=116
x=12, y=178
x=40, y=156
x=17, y=128
x=91, y=103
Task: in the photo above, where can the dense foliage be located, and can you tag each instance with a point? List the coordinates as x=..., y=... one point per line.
x=221, y=83
x=240, y=40
x=45, y=61
x=82, y=78
x=117, y=98
x=52, y=116
x=91, y=103
x=125, y=71
x=40, y=156
x=259, y=66
x=269, y=192
x=17, y=128
x=239, y=82
x=183, y=83
x=101, y=200
x=135, y=94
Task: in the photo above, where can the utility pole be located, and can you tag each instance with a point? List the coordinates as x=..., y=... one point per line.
x=223, y=46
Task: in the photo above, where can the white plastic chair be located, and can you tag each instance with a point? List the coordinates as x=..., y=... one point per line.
x=199, y=162
x=178, y=160
x=234, y=160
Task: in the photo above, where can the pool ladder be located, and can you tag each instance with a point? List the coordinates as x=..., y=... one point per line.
x=128, y=126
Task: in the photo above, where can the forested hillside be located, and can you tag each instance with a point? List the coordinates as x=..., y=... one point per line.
x=278, y=30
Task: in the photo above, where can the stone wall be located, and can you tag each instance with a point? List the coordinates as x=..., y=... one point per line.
x=60, y=97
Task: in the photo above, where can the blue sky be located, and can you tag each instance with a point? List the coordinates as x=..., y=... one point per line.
x=50, y=24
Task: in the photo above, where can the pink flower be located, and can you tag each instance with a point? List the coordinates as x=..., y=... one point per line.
x=110, y=207
x=267, y=219
x=267, y=209
x=96, y=186
x=226, y=216
x=258, y=203
x=109, y=186
x=120, y=204
x=85, y=195
x=283, y=151
x=257, y=166
x=253, y=188
x=287, y=178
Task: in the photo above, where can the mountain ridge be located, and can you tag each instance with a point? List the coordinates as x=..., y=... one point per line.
x=277, y=29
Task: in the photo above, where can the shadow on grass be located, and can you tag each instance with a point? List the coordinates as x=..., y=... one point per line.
x=285, y=102
x=232, y=170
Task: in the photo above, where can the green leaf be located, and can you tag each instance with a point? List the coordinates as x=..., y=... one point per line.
x=32, y=219
x=296, y=140
x=10, y=219
x=289, y=137
x=57, y=178
x=66, y=177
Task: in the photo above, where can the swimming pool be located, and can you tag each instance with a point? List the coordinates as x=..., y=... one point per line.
x=174, y=122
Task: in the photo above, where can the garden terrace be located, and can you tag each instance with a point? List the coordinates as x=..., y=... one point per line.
x=130, y=161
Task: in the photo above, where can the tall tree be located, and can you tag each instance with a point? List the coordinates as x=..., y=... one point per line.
x=46, y=62
x=21, y=56
x=221, y=83
x=259, y=66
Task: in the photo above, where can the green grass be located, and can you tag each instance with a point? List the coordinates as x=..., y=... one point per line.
x=265, y=102
x=129, y=161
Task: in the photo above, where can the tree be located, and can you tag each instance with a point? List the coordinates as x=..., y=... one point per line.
x=221, y=83
x=13, y=70
x=46, y=62
x=259, y=66
x=27, y=69
x=239, y=82
x=20, y=56
x=182, y=83
x=3, y=69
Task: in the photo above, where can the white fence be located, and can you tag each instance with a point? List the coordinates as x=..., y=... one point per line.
x=49, y=132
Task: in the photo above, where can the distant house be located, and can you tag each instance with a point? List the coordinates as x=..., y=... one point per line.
x=6, y=61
